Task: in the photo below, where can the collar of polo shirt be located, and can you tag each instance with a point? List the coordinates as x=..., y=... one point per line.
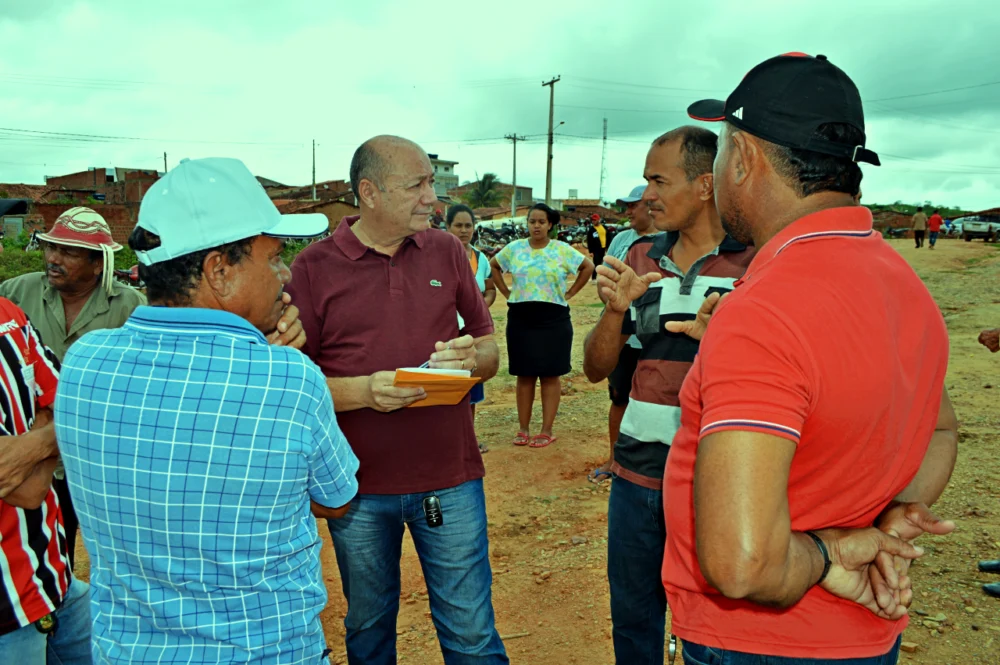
x=853, y=221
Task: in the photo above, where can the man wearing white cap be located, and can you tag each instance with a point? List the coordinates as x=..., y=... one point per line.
x=620, y=381
x=197, y=452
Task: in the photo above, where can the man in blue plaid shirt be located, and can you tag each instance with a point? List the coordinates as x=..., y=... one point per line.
x=196, y=452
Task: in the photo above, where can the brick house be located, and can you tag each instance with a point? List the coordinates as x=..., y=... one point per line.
x=500, y=212
x=121, y=186
x=335, y=210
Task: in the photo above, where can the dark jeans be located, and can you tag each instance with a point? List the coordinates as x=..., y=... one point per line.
x=932, y=237
x=456, y=565
x=598, y=260
x=637, y=532
x=695, y=654
x=918, y=238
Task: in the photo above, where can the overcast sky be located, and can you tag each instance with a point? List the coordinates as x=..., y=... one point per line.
x=261, y=80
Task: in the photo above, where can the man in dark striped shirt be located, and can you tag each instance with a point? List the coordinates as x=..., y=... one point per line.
x=657, y=294
x=44, y=612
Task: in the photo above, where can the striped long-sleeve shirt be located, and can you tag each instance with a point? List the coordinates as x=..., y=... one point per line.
x=653, y=413
x=34, y=568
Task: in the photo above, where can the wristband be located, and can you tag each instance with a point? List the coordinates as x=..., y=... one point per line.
x=826, y=555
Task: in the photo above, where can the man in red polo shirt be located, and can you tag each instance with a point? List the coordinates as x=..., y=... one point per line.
x=816, y=407
x=934, y=228
x=384, y=292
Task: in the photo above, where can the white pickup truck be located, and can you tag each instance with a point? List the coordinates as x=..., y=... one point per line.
x=980, y=226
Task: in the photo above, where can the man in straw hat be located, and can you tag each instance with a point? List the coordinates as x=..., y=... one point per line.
x=77, y=293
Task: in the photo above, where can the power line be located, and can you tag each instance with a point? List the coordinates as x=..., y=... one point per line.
x=603, y=109
x=930, y=120
x=641, y=85
x=107, y=138
x=598, y=138
x=936, y=163
x=966, y=102
x=934, y=92
x=635, y=93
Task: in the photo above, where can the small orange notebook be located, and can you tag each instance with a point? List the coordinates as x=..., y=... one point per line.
x=444, y=387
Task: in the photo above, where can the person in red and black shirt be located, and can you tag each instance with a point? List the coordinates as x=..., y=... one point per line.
x=43, y=608
x=384, y=292
x=662, y=290
x=800, y=455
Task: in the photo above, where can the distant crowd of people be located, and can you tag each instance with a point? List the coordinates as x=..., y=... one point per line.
x=773, y=455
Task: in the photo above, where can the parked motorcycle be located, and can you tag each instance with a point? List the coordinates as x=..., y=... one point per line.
x=130, y=277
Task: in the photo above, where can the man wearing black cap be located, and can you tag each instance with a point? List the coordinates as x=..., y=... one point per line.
x=797, y=432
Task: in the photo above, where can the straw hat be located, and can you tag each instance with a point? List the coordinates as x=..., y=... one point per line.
x=82, y=227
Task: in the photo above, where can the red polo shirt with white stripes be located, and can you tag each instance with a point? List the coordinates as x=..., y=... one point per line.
x=34, y=567
x=830, y=341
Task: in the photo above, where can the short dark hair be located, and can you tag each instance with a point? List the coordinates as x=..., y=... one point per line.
x=172, y=281
x=698, y=146
x=811, y=172
x=367, y=164
x=454, y=210
x=920, y=208
x=550, y=214
x=936, y=211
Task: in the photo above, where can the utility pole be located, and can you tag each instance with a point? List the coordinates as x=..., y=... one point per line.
x=548, y=167
x=314, y=170
x=164, y=162
x=513, y=193
x=604, y=156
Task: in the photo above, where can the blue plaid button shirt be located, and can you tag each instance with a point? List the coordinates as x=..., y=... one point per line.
x=192, y=448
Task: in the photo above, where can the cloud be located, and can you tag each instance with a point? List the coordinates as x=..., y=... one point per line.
x=260, y=81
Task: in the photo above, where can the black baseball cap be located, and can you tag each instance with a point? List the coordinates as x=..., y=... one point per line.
x=785, y=99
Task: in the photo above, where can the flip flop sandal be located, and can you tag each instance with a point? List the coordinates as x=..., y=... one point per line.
x=522, y=439
x=542, y=440
x=597, y=476
x=483, y=449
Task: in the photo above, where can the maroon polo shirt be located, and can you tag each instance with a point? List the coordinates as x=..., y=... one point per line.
x=365, y=312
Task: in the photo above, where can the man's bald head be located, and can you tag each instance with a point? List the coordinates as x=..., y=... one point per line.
x=372, y=160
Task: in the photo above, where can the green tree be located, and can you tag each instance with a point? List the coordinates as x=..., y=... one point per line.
x=486, y=193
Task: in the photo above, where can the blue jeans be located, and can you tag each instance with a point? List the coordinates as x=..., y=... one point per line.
x=456, y=565
x=637, y=533
x=932, y=237
x=695, y=654
x=69, y=645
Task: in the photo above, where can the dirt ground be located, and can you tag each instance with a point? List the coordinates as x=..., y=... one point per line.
x=548, y=524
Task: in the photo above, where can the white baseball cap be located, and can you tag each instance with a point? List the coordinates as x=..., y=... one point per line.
x=204, y=203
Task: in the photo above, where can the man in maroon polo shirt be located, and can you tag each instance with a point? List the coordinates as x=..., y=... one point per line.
x=382, y=293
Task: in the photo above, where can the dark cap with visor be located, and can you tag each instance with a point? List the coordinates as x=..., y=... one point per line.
x=784, y=100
